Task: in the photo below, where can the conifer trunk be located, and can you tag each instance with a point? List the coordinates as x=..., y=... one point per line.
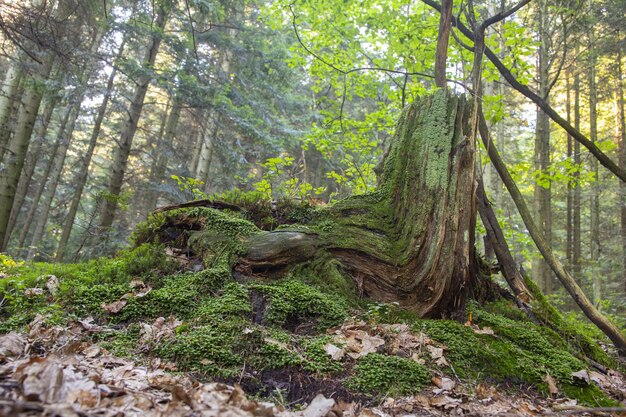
x=80, y=180
x=30, y=164
x=14, y=159
x=594, y=211
x=122, y=152
x=542, y=193
x=8, y=94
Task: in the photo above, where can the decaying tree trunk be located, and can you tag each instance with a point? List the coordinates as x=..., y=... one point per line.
x=412, y=241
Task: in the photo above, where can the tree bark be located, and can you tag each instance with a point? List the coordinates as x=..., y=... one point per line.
x=29, y=166
x=542, y=192
x=8, y=95
x=569, y=222
x=411, y=242
x=594, y=209
x=576, y=233
x=53, y=152
x=607, y=327
x=621, y=126
x=445, y=22
x=14, y=160
x=159, y=165
x=80, y=180
x=122, y=152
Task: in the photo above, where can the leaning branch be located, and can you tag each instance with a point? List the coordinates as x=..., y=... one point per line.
x=607, y=162
x=215, y=204
x=566, y=279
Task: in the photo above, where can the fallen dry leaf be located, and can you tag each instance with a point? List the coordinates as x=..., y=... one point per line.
x=581, y=376
x=335, y=353
x=12, y=345
x=114, y=307
x=52, y=284
x=552, y=387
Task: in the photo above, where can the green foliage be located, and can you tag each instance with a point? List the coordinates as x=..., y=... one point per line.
x=383, y=375
x=280, y=181
x=190, y=187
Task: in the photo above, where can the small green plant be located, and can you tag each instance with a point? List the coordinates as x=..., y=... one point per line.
x=191, y=187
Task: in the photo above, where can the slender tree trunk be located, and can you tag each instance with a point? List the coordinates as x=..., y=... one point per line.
x=14, y=159
x=569, y=226
x=53, y=151
x=445, y=23
x=159, y=165
x=54, y=178
x=612, y=331
x=82, y=174
x=621, y=125
x=197, y=149
x=206, y=153
x=30, y=164
x=594, y=212
x=122, y=152
x=577, y=200
x=543, y=192
x=8, y=95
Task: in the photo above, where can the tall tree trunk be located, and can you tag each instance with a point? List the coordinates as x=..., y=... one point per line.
x=594, y=212
x=80, y=180
x=122, y=152
x=14, y=159
x=576, y=198
x=54, y=178
x=569, y=226
x=8, y=94
x=53, y=152
x=445, y=23
x=159, y=165
x=197, y=149
x=621, y=126
x=206, y=153
x=30, y=164
x=543, y=192
x=67, y=132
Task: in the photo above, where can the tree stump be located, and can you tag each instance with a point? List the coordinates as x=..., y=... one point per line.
x=411, y=241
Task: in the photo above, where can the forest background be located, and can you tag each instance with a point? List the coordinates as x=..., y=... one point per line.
x=112, y=108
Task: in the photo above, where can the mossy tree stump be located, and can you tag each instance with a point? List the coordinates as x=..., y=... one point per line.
x=411, y=241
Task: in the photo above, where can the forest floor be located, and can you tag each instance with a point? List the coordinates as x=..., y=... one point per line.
x=52, y=371
x=168, y=329
x=55, y=371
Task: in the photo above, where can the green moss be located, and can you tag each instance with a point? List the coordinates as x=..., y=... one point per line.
x=589, y=395
x=382, y=375
x=291, y=301
x=84, y=300
x=206, y=349
x=232, y=301
x=121, y=342
x=324, y=272
x=578, y=333
x=316, y=358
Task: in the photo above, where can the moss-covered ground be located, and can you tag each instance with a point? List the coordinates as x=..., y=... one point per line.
x=271, y=335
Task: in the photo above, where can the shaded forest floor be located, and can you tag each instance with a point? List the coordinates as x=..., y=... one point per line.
x=168, y=329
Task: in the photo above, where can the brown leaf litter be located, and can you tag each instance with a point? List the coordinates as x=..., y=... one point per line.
x=53, y=371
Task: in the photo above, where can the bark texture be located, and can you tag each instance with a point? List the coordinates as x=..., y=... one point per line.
x=411, y=242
